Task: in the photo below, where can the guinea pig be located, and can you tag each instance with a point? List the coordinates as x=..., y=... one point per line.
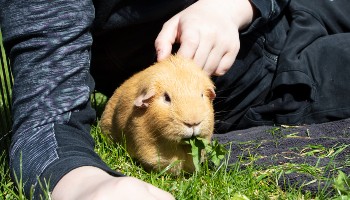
x=155, y=110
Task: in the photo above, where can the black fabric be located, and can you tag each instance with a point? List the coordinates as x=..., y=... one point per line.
x=325, y=146
x=314, y=64
x=124, y=42
x=115, y=14
x=75, y=149
x=248, y=82
x=120, y=53
x=308, y=83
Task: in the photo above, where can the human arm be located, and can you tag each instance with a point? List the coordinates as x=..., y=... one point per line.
x=208, y=31
x=49, y=47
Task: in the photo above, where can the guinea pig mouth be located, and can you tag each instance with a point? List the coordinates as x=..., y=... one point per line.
x=190, y=132
x=186, y=141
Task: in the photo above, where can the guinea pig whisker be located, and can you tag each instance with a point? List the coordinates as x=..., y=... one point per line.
x=221, y=97
x=225, y=89
x=218, y=101
x=226, y=111
x=222, y=112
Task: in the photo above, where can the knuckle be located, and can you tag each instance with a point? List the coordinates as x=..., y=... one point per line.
x=158, y=42
x=190, y=37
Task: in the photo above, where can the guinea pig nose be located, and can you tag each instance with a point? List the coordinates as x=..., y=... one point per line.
x=191, y=124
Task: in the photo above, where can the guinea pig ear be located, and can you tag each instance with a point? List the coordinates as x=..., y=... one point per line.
x=142, y=101
x=211, y=93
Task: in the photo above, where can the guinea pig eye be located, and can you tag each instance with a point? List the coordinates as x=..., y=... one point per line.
x=167, y=98
x=202, y=95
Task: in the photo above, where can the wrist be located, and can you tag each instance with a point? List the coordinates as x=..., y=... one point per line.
x=240, y=12
x=243, y=13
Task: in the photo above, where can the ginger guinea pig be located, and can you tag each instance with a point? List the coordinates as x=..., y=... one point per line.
x=156, y=109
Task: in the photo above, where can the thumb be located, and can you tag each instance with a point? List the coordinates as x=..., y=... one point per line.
x=166, y=38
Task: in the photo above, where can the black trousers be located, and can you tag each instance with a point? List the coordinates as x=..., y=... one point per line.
x=293, y=71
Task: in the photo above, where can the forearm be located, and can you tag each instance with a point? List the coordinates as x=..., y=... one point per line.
x=49, y=48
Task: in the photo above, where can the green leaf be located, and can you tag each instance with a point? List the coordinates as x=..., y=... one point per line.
x=196, y=153
x=238, y=196
x=215, y=152
x=342, y=183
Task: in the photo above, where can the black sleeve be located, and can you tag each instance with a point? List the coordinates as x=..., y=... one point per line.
x=266, y=11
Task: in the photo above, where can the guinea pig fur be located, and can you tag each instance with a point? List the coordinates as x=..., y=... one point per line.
x=156, y=109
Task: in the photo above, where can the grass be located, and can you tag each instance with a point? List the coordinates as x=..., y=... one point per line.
x=240, y=182
x=5, y=97
x=5, y=79
x=208, y=183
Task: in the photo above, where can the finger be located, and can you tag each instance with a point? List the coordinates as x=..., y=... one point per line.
x=203, y=51
x=160, y=194
x=222, y=56
x=212, y=61
x=189, y=41
x=166, y=38
x=219, y=61
x=225, y=64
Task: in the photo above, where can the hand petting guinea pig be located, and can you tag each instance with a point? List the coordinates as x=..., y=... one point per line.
x=155, y=110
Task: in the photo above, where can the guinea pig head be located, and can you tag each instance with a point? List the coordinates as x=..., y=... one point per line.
x=177, y=99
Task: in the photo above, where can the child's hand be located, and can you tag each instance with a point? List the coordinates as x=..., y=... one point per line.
x=93, y=183
x=207, y=32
